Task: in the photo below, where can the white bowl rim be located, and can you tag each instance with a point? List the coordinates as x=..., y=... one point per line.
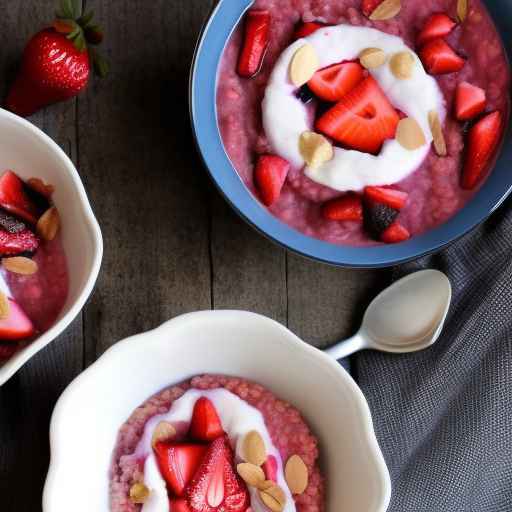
x=11, y=366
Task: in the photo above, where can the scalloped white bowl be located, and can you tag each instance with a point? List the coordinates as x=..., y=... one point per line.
x=88, y=415
x=30, y=153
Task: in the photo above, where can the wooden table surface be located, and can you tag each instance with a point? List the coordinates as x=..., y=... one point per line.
x=172, y=245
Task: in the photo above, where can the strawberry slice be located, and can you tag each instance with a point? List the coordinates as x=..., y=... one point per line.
x=269, y=176
x=395, y=233
x=14, y=199
x=362, y=120
x=333, y=82
x=368, y=6
x=205, y=424
x=216, y=486
x=469, y=101
x=438, y=25
x=307, y=28
x=384, y=195
x=439, y=58
x=483, y=138
x=178, y=463
x=179, y=505
x=270, y=468
x=349, y=207
x=12, y=244
x=257, y=28
x=17, y=326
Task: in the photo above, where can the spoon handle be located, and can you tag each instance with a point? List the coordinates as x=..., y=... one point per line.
x=346, y=347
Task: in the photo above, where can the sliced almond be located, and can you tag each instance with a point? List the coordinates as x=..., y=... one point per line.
x=386, y=10
x=254, y=448
x=371, y=58
x=296, y=474
x=265, y=484
x=304, y=65
x=4, y=306
x=462, y=10
x=48, y=224
x=273, y=497
x=315, y=149
x=402, y=65
x=437, y=133
x=251, y=474
x=409, y=134
x=139, y=493
x=20, y=265
x=164, y=431
x=40, y=186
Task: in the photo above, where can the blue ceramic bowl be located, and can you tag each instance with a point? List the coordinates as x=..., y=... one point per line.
x=203, y=81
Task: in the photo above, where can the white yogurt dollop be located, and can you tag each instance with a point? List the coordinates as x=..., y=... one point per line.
x=238, y=419
x=285, y=117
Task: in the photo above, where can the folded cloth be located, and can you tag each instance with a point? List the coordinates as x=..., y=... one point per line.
x=443, y=416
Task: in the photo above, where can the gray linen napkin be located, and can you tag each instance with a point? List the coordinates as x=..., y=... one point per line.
x=443, y=416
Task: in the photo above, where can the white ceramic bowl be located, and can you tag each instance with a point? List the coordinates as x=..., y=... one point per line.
x=88, y=415
x=30, y=153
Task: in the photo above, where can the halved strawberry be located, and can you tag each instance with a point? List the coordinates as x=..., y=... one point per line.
x=17, y=326
x=12, y=244
x=469, y=101
x=14, y=199
x=333, y=82
x=363, y=119
x=256, y=38
x=395, y=233
x=439, y=58
x=307, y=28
x=390, y=196
x=348, y=207
x=269, y=176
x=483, y=138
x=216, y=486
x=438, y=25
x=7, y=350
x=205, y=424
x=368, y=6
x=179, y=505
x=270, y=468
x=178, y=463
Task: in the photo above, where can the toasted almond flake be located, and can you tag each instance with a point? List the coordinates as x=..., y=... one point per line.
x=371, y=58
x=20, y=265
x=402, y=65
x=386, y=10
x=296, y=474
x=40, y=186
x=254, y=448
x=273, y=497
x=48, y=224
x=251, y=474
x=315, y=149
x=164, y=431
x=265, y=484
x=304, y=65
x=462, y=10
x=409, y=134
x=139, y=493
x=437, y=133
x=4, y=306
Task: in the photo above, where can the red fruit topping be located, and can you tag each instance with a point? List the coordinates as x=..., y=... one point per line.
x=439, y=58
x=269, y=176
x=216, y=486
x=389, y=196
x=12, y=244
x=332, y=83
x=469, y=101
x=7, y=350
x=395, y=233
x=14, y=199
x=368, y=6
x=349, y=207
x=257, y=25
x=179, y=505
x=17, y=326
x=438, y=25
x=363, y=119
x=205, y=424
x=270, y=468
x=178, y=463
x=483, y=138
x=308, y=28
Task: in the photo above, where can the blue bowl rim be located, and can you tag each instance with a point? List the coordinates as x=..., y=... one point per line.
x=215, y=33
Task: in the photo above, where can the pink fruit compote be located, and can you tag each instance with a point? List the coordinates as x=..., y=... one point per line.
x=461, y=51
x=34, y=275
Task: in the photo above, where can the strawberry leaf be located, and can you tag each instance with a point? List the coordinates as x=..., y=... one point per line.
x=70, y=9
x=86, y=19
x=101, y=66
x=79, y=41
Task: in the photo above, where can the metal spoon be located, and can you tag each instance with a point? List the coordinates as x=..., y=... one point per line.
x=406, y=317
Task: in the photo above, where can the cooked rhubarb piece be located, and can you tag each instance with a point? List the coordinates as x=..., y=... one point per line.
x=334, y=82
x=306, y=29
x=438, y=24
x=257, y=27
x=469, y=101
x=368, y=6
x=270, y=468
x=439, y=58
x=395, y=233
x=349, y=207
x=269, y=176
x=205, y=424
x=390, y=196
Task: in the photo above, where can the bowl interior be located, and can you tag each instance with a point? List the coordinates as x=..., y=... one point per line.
x=236, y=343
x=209, y=51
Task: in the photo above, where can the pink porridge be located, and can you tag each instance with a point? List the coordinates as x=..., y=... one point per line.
x=465, y=58
x=227, y=412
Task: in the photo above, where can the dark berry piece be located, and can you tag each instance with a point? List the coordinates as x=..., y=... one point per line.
x=37, y=198
x=11, y=224
x=304, y=94
x=378, y=217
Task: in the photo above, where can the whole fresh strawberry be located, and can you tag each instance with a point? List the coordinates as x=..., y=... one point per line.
x=57, y=61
